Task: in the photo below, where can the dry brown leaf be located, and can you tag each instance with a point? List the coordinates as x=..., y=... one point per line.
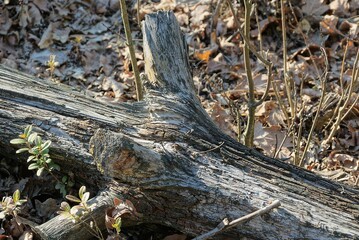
x=105, y=63
x=263, y=25
x=329, y=25
x=199, y=13
x=352, y=29
x=101, y=6
x=182, y=18
x=35, y=15
x=5, y=21
x=43, y=56
x=27, y=235
x=46, y=39
x=340, y=7
x=47, y=208
x=269, y=139
x=61, y=35
x=109, y=83
x=221, y=28
x=274, y=115
x=42, y=4
x=314, y=7
x=303, y=26
x=346, y=160
x=216, y=64
x=312, y=93
x=166, y=5
x=24, y=16
x=203, y=54
x=222, y=118
x=89, y=63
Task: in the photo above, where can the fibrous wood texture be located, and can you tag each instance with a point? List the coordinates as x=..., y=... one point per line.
x=168, y=158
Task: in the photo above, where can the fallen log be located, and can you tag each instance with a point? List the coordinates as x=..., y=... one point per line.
x=168, y=158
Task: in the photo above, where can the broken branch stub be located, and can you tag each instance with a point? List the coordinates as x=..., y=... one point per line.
x=165, y=53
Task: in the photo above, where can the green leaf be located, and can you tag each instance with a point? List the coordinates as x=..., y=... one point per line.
x=64, y=179
x=65, y=207
x=39, y=171
x=33, y=166
x=63, y=191
x=18, y=141
x=44, y=151
x=117, y=225
x=81, y=191
x=46, y=144
x=21, y=201
x=32, y=137
x=34, y=151
x=28, y=130
x=21, y=150
x=30, y=158
x=70, y=184
x=77, y=210
x=58, y=185
x=16, y=196
x=55, y=166
x=85, y=197
x=73, y=198
x=38, y=141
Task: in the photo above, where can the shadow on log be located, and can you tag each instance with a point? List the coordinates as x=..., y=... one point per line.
x=168, y=158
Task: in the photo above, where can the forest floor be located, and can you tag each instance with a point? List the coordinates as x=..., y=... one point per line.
x=82, y=44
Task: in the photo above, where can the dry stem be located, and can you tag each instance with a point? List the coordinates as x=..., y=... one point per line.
x=252, y=103
x=225, y=224
x=131, y=49
x=342, y=110
x=323, y=81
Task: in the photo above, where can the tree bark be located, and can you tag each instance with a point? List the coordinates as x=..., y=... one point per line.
x=168, y=158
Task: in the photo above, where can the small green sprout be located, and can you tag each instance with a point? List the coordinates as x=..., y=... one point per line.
x=78, y=211
x=52, y=64
x=64, y=184
x=39, y=150
x=10, y=205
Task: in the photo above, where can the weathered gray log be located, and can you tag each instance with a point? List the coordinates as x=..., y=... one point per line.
x=169, y=158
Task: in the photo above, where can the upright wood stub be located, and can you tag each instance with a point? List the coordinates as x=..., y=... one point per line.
x=165, y=52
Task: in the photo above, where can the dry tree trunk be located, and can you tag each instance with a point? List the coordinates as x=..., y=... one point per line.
x=168, y=158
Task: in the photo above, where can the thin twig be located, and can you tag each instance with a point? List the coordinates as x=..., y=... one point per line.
x=300, y=127
x=280, y=102
x=138, y=13
x=131, y=48
x=214, y=19
x=225, y=224
x=343, y=92
x=249, y=132
x=212, y=149
x=259, y=32
x=252, y=103
x=245, y=38
x=345, y=104
x=288, y=85
x=314, y=123
x=265, y=95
